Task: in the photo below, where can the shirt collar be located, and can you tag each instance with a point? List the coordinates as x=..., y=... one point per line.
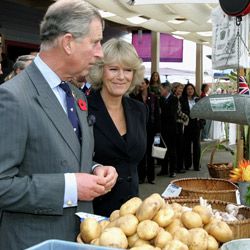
x=50, y=76
x=167, y=95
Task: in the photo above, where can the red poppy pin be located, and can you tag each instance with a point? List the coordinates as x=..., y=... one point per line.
x=82, y=105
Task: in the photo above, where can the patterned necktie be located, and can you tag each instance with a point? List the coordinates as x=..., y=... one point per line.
x=71, y=109
x=86, y=90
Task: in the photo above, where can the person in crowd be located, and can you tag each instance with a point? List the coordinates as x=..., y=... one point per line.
x=120, y=121
x=155, y=83
x=7, y=66
x=218, y=91
x=146, y=167
x=82, y=84
x=21, y=63
x=192, y=147
x=206, y=130
x=168, y=107
x=1, y=72
x=204, y=90
x=181, y=121
x=47, y=173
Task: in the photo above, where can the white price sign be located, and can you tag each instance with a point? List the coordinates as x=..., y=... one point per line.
x=171, y=191
x=83, y=216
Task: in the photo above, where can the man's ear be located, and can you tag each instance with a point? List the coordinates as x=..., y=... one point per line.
x=18, y=70
x=67, y=43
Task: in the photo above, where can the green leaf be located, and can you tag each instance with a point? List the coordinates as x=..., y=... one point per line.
x=247, y=197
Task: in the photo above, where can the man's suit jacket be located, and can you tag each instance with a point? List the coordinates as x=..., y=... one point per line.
x=122, y=153
x=37, y=146
x=168, y=114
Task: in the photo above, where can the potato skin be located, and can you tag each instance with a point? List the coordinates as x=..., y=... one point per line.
x=174, y=225
x=104, y=224
x=147, y=229
x=114, y=215
x=212, y=243
x=191, y=219
x=130, y=206
x=141, y=242
x=149, y=207
x=113, y=237
x=198, y=239
x=143, y=247
x=164, y=216
x=132, y=239
x=183, y=235
x=128, y=223
x=162, y=238
x=175, y=245
x=221, y=231
x=203, y=212
x=90, y=229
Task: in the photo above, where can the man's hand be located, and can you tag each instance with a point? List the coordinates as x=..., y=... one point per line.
x=89, y=186
x=109, y=174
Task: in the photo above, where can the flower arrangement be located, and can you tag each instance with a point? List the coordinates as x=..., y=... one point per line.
x=241, y=175
x=241, y=172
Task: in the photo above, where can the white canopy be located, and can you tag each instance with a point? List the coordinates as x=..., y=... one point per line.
x=189, y=19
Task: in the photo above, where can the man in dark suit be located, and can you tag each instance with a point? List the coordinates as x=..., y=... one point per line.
x=168, y=106
x=46, y=170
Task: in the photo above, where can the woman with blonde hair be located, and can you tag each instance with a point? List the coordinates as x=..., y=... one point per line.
x=119, y=121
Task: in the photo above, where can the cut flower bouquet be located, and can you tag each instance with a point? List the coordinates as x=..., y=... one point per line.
x=241, y=172
x=241, y=175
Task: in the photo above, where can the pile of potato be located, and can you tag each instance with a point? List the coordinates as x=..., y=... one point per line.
x=154, y=224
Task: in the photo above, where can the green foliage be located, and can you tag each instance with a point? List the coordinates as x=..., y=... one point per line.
x=233, y=76
x=247, y=197
x=218, y=145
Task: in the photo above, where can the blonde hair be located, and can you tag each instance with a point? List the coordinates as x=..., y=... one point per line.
x=175, y=85
x=121, y=52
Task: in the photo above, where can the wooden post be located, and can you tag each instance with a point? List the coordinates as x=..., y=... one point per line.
x=155, y=51
x=199, y=67
x=240, y=128
x=240, y=145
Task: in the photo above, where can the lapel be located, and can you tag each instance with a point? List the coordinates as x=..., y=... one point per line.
x=51, y=106
x=86, y=130
x=132, y=117
x=105, y=124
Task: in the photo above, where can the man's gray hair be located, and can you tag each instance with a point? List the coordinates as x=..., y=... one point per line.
x=25, y=58
x=21, y=62
x=66, y=16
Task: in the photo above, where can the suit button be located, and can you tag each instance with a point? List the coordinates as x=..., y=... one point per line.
x=129, y=179
x=64, y=163
x=119, y=180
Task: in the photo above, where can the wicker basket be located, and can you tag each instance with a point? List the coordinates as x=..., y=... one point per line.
x=241, y=229
x=218, y=170
x=208, y=188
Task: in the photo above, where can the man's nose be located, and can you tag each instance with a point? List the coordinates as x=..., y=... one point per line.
x=99, y=52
